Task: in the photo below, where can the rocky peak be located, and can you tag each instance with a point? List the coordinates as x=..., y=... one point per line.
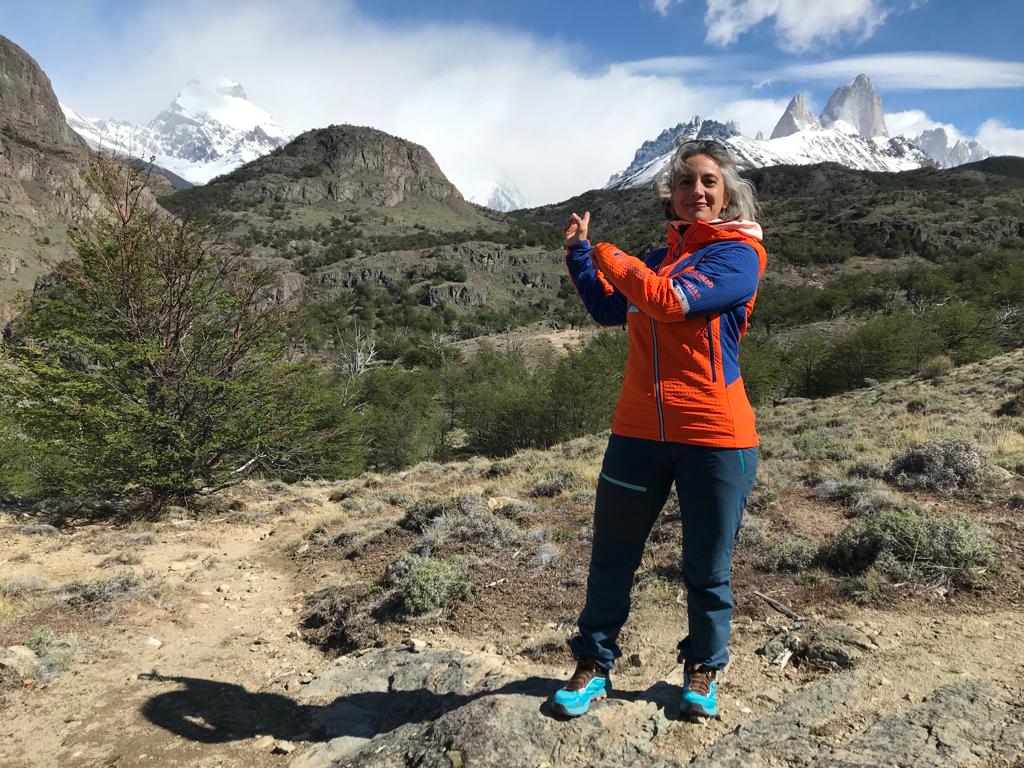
x=29, y=110
x=654, y=151
x=857, y=104
x=795, y=118
x=344, y=163
x=936, y=144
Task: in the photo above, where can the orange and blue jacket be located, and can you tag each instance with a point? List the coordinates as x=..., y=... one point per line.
x=686, y=306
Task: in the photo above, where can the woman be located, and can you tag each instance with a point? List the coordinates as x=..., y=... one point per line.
x=682, y=415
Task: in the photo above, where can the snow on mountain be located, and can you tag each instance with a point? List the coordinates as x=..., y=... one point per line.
x=795, y=118
x=654, y=155
x=856, y=103
x=936, y=143
x=209, y=129
x=851, y=131
x=504, y=196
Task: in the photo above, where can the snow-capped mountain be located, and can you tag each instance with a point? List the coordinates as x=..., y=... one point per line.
x=937, y=144
x=850, y=131
x=654, y=155
x=857, y=104
x=504, y=196
x=795, y=118
x=209, y=129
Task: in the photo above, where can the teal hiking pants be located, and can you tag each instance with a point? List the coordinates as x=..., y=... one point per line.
x=636, y=477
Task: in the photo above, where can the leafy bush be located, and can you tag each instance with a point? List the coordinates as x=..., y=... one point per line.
x=936, y=367
x=947, y=465
x=153, y=367
x=403, y=423
x=423, y=584
x=905, y=545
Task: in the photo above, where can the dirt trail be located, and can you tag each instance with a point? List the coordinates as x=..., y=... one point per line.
x=214, y=673
x=225, y=630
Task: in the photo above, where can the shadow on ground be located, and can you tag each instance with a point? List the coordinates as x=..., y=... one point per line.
x=213, y=712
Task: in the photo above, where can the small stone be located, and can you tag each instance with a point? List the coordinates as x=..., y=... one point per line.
x=263, y=742
x=746, y=710
x=455, y=757
x=286, y=611
x=224, y=588
x=293, y=685
x=17, y=661
x=302, y=549
x=154, y=642
x=415, y=645
x=283, y=748
x=177, y=566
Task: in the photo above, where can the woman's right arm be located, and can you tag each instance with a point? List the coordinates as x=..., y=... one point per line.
x=604, y=303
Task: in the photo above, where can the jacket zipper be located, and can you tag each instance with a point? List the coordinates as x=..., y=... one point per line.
x=711, y=351
x=657, y=384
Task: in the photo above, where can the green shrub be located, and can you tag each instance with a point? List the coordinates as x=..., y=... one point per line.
x=423, y=584
x=793, y=555
x=936, y=367
x=420, y=513
x=556, y=481
x=948, y=465
x=403, y=422
x=471, y=526
x=905, y=545
x=153, y=368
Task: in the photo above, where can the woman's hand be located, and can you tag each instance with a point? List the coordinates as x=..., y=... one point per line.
x=575, y=229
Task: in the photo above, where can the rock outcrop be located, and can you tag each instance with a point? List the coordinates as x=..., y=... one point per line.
x=856, y=104
x=795, y=118
x=342, y=163
x=40, y=156
x=437, y=708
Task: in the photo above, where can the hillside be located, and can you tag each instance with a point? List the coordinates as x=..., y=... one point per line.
x=912, y=658
x=42, y=162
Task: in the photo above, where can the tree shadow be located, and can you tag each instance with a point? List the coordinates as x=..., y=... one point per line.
x=214, y=712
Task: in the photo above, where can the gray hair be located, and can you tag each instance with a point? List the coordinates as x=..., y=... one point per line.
x=739, y=191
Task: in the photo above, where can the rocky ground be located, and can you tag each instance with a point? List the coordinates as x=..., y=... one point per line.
x=420, y=619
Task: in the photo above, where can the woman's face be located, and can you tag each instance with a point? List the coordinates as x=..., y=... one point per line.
x=698, y=191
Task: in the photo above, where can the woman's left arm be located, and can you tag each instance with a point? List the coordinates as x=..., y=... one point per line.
x=726, y=276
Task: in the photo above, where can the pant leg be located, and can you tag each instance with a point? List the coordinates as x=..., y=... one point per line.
x=713, y=485
x=636, y=477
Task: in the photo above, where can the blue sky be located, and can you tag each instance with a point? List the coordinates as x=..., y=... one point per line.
x=553, y=96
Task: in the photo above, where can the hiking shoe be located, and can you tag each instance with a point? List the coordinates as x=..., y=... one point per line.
x=588, y=683
x=700, y=691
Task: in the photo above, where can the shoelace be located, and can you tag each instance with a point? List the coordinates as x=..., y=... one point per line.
x=584, y=673
x=700, y=680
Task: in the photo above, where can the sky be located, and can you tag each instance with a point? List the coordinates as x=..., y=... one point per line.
x=552, y=96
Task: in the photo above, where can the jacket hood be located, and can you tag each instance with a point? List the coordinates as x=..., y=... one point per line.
x=718, y=229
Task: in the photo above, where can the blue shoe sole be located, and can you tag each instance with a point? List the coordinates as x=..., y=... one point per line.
x=582, y=709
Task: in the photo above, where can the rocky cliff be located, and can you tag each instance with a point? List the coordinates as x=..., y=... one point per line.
x=40, y=156
x=42, y=166
x=341, y=163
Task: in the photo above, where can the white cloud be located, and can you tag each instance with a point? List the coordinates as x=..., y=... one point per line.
x=1000, y=138
x=662, y=7
x=913, y=122
x=914, y=71
x=753, y=115
x=488, y=103
x=799, y=24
